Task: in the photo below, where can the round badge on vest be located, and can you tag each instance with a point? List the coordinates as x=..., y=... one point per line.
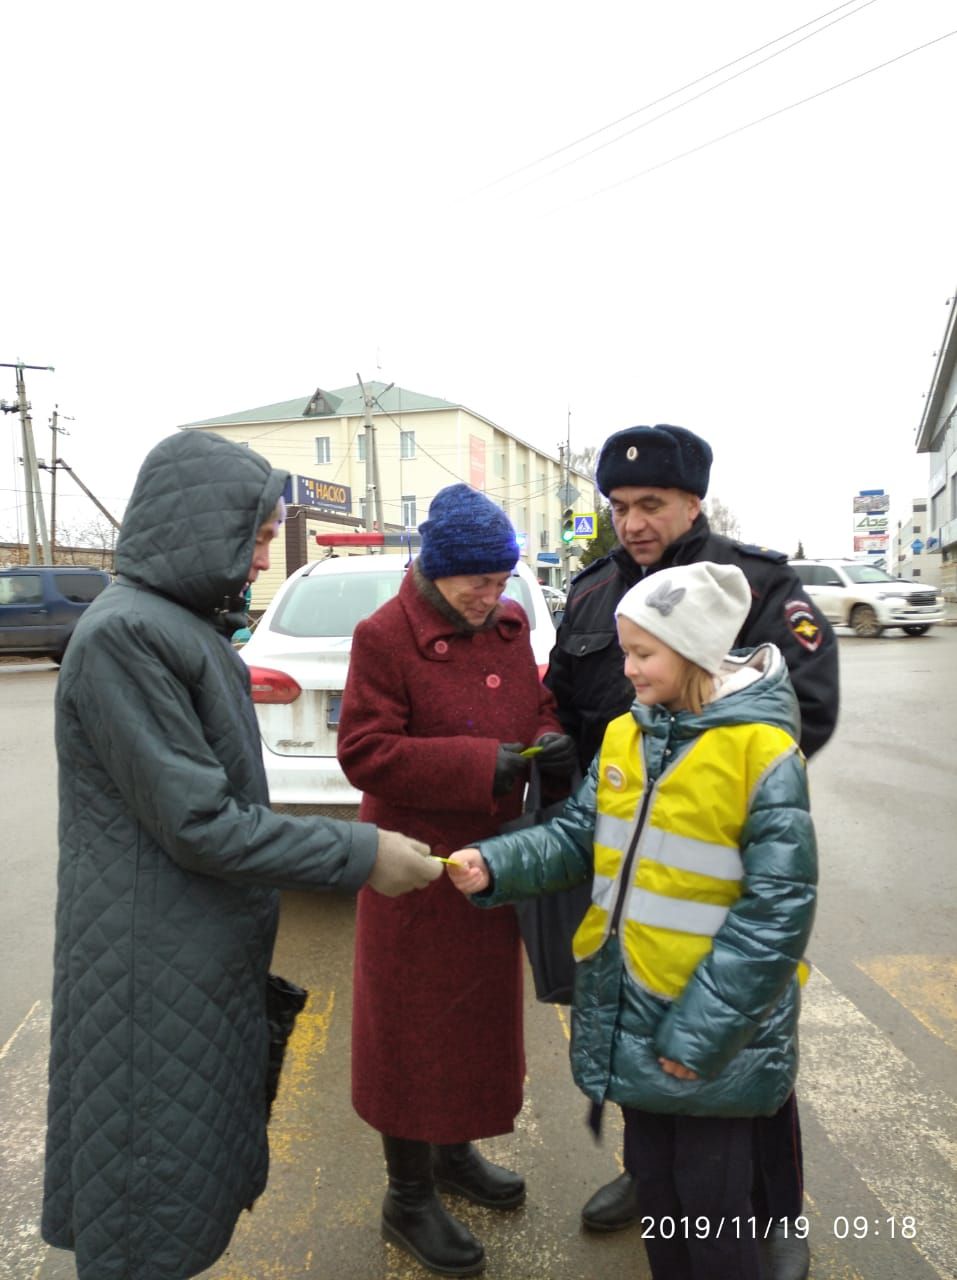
x=614, y=777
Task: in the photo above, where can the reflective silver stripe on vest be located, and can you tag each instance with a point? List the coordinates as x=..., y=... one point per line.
x=613, y=833
x=675, y=913
x=602, y=891
x=687, y=854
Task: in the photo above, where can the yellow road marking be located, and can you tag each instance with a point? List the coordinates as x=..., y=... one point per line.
x=560, y=1011
x=826, y=1260
x=291, y=1130
x=925, y=985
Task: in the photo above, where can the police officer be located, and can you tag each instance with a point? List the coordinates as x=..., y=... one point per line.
x=655, y=479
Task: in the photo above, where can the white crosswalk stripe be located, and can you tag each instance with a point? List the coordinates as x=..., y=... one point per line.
x=23, y=1087
x=890, y=1123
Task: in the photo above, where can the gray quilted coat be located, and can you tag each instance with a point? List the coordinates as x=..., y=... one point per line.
x=170, y=860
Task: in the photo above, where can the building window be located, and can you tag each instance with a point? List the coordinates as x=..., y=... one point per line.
x=409, y=518
x=361, y=443
x=500, y=465
x=406, y=445
x=323, y=450
x=937, y=510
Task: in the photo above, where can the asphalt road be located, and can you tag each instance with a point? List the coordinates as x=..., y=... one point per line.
x=879, y=1032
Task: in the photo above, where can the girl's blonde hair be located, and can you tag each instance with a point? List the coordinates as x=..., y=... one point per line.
x=697, y=686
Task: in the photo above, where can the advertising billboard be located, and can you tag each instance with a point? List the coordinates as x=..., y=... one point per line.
x=871, y=522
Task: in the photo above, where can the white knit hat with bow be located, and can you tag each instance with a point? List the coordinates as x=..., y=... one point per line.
x=696, y=609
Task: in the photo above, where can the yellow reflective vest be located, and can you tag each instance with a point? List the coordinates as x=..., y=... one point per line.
x=667, y=862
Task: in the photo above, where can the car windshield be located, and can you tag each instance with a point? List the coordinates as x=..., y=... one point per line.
x=331, y=604
x=867, y=573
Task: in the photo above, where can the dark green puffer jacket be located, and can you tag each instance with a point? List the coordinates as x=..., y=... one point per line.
x=170, y=859
x=735, y=1022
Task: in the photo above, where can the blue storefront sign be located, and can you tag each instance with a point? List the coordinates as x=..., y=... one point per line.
x=324, y=495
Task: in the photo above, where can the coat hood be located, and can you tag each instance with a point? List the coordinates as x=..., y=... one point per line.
x=190, y=527
x=752, y=686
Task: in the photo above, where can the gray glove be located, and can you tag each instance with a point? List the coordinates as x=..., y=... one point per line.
x=402, y=864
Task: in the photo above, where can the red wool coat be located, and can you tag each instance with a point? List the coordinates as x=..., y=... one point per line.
x=437, y=1048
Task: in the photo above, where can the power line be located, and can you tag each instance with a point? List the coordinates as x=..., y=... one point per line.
x=671, y=94
x=703, y=146
x=686, y=103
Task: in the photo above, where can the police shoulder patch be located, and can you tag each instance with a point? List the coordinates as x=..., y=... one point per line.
x=803, y=625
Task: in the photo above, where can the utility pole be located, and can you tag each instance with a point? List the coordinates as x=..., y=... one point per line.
x=54, y=432
x=92, y=496
x=35, y=516
x=373, y=489
x=564, y=455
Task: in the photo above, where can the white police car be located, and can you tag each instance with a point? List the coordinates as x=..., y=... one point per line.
x=298, y=657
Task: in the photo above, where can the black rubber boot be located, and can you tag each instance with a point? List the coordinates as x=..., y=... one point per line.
x=462, y=1169
x=414, y=1218
x=613, y=1206
x=785, y=1256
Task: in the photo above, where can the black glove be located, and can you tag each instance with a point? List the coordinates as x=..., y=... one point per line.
x=508, y=765
x=558, y=755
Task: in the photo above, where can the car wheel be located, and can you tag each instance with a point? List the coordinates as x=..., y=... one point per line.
x=917, y=631
x=864, y=621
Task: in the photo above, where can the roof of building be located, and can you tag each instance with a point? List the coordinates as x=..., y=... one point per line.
x=930, y=423
x=345, y=402
x=348, y=402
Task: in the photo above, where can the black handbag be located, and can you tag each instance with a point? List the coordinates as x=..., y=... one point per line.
x=548, y=923
x=284, y=1002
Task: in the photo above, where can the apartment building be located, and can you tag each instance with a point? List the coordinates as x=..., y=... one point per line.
x=419, y=444
x=937, y=436
x=915, y=552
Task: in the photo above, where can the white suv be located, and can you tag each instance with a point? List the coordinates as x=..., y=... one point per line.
x=853, y=593
x=299, y=655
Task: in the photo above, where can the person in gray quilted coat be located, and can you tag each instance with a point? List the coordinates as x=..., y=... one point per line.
x=170, y=862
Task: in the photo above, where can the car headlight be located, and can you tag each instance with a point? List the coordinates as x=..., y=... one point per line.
x=891, y=595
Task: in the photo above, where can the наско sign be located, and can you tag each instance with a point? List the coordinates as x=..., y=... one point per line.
x=324, y=494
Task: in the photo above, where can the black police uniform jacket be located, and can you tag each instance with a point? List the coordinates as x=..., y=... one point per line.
x=586, y=667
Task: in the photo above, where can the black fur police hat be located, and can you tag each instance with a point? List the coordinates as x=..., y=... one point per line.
x=659, y=457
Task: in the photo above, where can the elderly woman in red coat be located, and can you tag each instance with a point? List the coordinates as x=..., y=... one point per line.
x=443, y=693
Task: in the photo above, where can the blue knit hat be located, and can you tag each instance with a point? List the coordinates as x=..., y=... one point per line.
x=661, y=457
x=465, y=533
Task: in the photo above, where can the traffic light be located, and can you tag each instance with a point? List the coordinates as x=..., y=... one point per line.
x=568, y=525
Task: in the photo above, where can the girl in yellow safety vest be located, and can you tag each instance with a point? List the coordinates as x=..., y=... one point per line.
x=694, y=825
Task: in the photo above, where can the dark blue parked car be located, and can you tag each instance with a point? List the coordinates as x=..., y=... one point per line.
x=41, y=604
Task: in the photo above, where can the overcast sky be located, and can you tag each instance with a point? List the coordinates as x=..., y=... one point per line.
x=212, y=206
